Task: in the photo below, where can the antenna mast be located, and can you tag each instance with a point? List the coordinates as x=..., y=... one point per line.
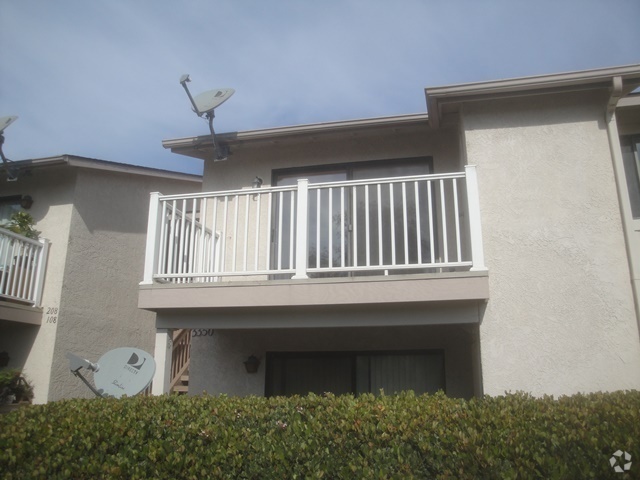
x=12, y=172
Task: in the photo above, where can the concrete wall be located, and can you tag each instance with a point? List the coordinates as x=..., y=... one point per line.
x=217, y=361
x=560, y=318
x=98, y=308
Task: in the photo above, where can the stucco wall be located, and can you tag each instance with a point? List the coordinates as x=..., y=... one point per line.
x=560, y=318
x=31, y=348
x=98, y=310
x=261, y=159
x=217, y=361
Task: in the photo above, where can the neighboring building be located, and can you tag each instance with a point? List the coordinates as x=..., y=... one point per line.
x=488, y=246
x=93, y=215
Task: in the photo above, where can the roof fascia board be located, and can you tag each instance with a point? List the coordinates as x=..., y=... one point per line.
x=527, y=86
x=94, y=164
x=314, y=128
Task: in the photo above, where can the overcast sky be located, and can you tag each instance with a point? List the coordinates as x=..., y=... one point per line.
x=100, y=78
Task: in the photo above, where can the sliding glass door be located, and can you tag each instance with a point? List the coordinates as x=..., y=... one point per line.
x=363, y=226
x=301, y=373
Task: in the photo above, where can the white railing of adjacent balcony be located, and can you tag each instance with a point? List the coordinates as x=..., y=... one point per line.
x=416, y=224
x=22, y=267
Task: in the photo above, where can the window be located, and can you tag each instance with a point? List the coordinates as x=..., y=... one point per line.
x=631, y=159
x=8, y=206
x=354, y=372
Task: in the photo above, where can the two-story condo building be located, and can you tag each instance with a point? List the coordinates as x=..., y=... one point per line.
x=488, y=245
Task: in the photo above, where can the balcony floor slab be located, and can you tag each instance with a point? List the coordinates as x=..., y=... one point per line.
x=416, y=288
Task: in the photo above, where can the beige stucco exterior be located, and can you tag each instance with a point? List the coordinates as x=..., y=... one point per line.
x=561, y=317
x=94, y=213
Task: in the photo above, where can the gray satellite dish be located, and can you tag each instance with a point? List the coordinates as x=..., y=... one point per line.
x=121, y=371
x=205, y=104
x=12, y=173
x=6, y=121
x=209, y=100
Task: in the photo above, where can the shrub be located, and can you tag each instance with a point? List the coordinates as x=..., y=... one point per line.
x=404, y=436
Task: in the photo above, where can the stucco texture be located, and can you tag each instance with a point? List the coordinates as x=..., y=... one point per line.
x=104, y=264
x=31, y=347
x=217, y=361
x=561, y=317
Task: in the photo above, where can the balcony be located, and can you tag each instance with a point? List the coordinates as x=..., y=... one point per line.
x=361, y=232
x=22, y=269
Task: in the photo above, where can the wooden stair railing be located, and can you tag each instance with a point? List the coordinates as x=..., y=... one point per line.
x=180, y=361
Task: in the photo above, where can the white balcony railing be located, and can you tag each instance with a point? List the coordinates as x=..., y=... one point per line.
x=383, y=226
x=22, y=267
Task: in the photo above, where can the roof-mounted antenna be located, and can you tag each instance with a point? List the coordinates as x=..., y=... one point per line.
x=205, y=104
x=12, y=172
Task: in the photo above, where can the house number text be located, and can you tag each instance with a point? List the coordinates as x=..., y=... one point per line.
x=52, y=315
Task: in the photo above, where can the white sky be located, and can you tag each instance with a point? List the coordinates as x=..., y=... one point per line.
x=100, y=78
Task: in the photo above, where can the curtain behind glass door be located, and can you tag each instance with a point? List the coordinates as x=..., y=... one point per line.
x=318, y=230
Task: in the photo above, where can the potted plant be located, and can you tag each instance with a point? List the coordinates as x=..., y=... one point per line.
x=15, y=390
x=22, y=223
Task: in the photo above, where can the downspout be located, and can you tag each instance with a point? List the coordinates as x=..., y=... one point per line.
x=621, y=184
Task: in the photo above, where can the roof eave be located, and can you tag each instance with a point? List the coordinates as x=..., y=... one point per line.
x=527, y=86
x=193, y=146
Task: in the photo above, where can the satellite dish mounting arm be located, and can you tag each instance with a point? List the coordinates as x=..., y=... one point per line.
x=76, y=363
x=220, y=152
x=183, y=81
x=12, y=172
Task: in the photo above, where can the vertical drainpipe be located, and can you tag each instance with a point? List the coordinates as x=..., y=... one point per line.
x=621, y=184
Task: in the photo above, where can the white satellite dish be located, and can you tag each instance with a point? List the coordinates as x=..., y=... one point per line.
x=121, y=371
x=205, y=104
x=211, y=99
x=6, y=121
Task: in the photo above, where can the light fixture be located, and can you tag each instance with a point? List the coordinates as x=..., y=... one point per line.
x=257, y=182
x=26, y=201
x=252, y=364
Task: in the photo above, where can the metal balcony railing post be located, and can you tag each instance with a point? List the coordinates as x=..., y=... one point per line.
x=302, y=229
x=475, y=225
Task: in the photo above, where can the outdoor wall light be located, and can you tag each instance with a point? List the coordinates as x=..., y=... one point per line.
x=257, y=182
x=251, y=364
x=26, y=201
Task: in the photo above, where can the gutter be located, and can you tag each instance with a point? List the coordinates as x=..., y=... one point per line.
x=527, y=86
x=272, y=134
x=617, y=91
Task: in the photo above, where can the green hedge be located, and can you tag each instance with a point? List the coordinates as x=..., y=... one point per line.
x=514, y=436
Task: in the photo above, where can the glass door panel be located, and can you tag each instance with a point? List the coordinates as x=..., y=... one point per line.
x=325, y=229
x=386, y=216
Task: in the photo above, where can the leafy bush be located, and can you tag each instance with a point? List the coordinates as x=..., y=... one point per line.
x=404, y=436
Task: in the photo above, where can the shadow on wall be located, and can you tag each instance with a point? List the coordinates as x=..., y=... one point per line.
x=17, y=341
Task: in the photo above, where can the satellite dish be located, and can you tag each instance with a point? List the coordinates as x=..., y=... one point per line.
x=205, y=104
x=209, y=100
x=6, y=121
x=121, y=371
x=12, y=173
